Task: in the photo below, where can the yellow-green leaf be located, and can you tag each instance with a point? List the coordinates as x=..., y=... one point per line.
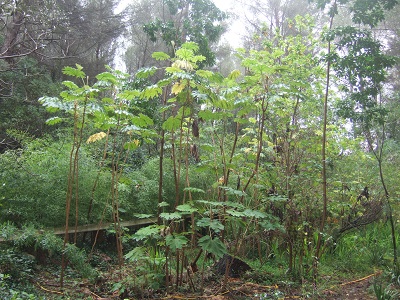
x=96, y=137
x=160, y=56
x=234, y=74
x=183, y=64
x=204, y=73
x=178, y=87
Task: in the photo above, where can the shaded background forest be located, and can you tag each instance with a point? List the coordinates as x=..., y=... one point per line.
x=39, y=40
x=286, y=148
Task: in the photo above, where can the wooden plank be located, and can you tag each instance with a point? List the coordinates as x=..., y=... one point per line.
x=94, y=227
x=103, y=226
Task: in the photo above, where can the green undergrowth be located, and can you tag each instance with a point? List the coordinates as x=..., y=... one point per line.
x=31, y=259
x=25, y=253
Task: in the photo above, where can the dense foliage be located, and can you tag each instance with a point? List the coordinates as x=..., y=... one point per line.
x=289, y=162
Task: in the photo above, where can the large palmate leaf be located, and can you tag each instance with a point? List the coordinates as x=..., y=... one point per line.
x=160, y=56
x=176, y=241
x=172, y=123
x=171, y=216
x=186, y=208
x=75, y=72
x=146, y=232
x=214, y=246
x=146, y=72
x=151, y=92
x=213, y=224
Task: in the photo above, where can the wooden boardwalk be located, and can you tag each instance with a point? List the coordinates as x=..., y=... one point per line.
x=94, y=227
x=103, y=226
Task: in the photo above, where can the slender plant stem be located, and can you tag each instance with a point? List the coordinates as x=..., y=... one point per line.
x=318, y=246
x=161, y=162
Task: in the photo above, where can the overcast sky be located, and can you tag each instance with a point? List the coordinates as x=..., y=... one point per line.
x=233, y=36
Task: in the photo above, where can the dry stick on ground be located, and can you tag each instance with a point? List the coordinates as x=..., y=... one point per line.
x=361, y=279
x=47, y=290
x=355, y=281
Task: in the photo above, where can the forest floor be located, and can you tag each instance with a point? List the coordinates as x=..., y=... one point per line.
x=359, y=289
x=236, y=289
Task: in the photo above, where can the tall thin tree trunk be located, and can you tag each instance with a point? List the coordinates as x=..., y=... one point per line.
x=11, y=34
x=318, y=247
x=379, y=158
x=71, y=178
x=161, y=162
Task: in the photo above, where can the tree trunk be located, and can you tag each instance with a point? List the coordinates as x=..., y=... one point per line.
x=11, y=36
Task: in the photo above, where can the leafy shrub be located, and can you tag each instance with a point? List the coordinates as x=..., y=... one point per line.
x=27, y=81
x=33, y=182
x=143, y=197
x=17, y=269
x=143, y=194
x=15, y=263
x=384, y=293
x=7, y=291
x=19, y=266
